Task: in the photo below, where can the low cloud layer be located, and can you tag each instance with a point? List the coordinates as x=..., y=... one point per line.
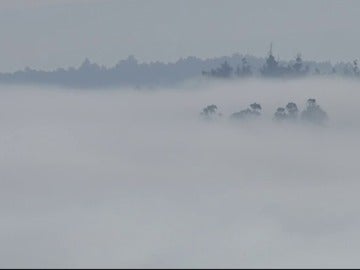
x=124, y=178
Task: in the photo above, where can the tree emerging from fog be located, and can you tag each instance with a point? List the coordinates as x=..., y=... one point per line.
x=253, y=111
x=210, y=112
x=313, y=113
x=290, y=112
x=280, y=114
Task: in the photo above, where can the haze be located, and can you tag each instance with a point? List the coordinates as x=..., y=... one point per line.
x=179, y=134
x=124, y=178
x=50, y=34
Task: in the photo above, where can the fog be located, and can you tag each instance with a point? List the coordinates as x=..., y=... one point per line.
x=135, y=178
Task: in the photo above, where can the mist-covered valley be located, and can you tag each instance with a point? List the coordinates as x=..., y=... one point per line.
x=136, y=178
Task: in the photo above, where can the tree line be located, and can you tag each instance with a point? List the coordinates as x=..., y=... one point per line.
x=275, y=69
x=131, y=73
x=312, y=113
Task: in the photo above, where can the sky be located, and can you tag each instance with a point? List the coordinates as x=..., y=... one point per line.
x=61, y=33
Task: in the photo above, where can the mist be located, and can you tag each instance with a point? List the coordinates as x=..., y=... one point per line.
x=135, y=178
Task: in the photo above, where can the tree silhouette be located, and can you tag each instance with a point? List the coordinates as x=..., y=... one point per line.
x=245, y=69
x=313, y=113
x=224, y=71
x=298, y=68
x=271, y=67
x=356, y=68
x=292, y=110
x=209, y=112
x=298, y=64
x=253, y=111
x=280, y=114
x=256, y=108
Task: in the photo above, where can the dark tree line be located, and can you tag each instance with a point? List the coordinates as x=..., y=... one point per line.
x=227, y=71
x=273, y=68
x=130, y=72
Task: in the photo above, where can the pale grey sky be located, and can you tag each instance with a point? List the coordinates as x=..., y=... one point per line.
x=49, y=34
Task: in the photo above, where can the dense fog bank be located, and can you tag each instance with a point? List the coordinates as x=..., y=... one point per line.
x=137, y=179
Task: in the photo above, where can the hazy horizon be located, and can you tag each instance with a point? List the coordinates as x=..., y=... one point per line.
x=49, y=34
